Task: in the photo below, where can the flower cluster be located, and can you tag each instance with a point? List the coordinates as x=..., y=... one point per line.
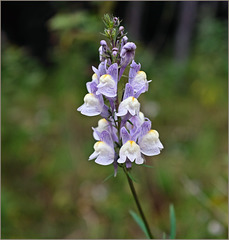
x=124, y=134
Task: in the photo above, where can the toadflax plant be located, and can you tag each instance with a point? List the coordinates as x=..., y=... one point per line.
x=124, y=135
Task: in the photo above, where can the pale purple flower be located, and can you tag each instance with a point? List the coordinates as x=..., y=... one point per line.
x=135, y=122
x=137, y=78
x=148, y=140
x=124, y=134
x=130, y=150
x=93, y=104
x=104, y=153
x=105, y=125
x=127, y=55
x=108, y=82
x=130, y=104
x=143, y=141
x=102, y=50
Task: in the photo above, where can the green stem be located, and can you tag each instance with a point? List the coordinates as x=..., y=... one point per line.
x=131, y=184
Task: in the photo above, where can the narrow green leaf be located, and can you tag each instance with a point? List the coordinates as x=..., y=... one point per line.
x=144, y=165
x=140, y=223
x=108, y=177
x=172, y=222
x=164, y=235
x=131, y=177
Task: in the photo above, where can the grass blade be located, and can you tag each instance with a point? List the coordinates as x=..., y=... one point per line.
x=172, y=222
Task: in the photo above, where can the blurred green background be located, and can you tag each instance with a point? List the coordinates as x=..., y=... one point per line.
x=51, y=190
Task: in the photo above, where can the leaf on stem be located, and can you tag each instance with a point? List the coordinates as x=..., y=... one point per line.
x=132, y=178
x=140, y=223
x=108, y=177
x=144, y=165
x=172, y=222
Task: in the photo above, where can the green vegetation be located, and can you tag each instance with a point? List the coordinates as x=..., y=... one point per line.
x=50, y=190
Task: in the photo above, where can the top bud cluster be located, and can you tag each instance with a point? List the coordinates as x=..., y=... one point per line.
x=124, y=134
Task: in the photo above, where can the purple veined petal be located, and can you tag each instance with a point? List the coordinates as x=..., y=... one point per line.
x=128, y=48
x=150, y=150
x=127, y=55
x=91, y=87
x=93, y=155
x=122, y=159
x=149, y=143
x=102, y=68
x=113, y=71
x=122, y=110
x=103, y=124
x=114, y=135
x=115, y=165
x=124, y=41
x=104, y=153
x=112, y=103
x=145, y=128
x=125, y=118
x=96, y=71
x=106, y=137
x=129, y=91
x=139, y=160
x=101, y=102
x=92, y=105
x=105, y=111
x=124, y=135
x=140, y=91
x=128, y=163
x=89, y=110
x=107, y=86
x=136, y=121
x=104, y=160
x=159, y=144
x=134, y=68
x=96, y=134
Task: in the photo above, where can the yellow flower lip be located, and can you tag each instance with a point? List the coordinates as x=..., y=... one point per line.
x=133, y=98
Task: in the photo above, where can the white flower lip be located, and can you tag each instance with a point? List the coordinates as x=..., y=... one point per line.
x=150, y=144
x=92, y=105
x=107, y=86
x=130, y=105
x=103, y=153
x=130, y=150
x=90, y=99
x=140, y=76
x=102, y=125
x=106, y=78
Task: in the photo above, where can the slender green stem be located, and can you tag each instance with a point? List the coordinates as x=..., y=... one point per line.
x=131, y=184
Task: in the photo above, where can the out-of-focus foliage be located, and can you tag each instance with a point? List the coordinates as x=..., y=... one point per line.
x=50, y=190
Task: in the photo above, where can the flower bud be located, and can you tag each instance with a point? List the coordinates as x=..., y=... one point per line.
x=103, y=43
x=121, y=29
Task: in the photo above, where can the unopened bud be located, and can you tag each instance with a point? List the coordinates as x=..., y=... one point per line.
x=121, y=29
x=116, y=21
x=103, y=43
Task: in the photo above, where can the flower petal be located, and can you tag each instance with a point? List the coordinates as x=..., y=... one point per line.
x=125, y=135
x=129, y=91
